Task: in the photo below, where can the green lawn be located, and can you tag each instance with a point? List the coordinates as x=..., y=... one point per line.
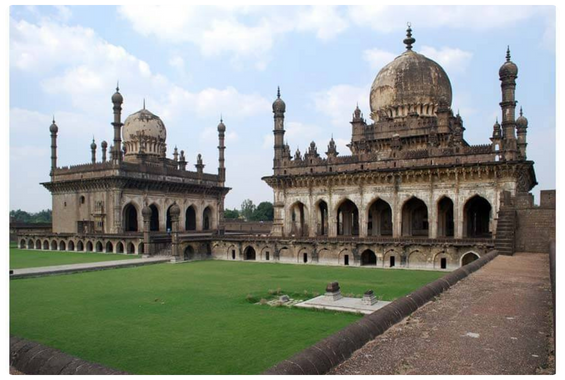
x=190, y=318
x=23, y=258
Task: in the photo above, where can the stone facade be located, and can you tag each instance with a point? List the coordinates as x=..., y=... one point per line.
x=123, y=203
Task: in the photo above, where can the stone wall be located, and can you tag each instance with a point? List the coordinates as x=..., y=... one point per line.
x=254, y=227
x=535, y=225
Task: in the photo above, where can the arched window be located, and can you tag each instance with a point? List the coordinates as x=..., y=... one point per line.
x=348, y=219
x=322, y=218
x=477, y=215
x=445, y=225
x=109, y=247
x=89, y=246
x=71, y=245
x=130, y=218
x=207, y=219
x=80, y=246
x=190, y=220
x=415, y=218
x=62, y=246
x=53, y=245
x=99, y=247
x=379, y=219
x=120, y=247
x=131, y=248
x=368, y=258
x=298, y=220
x=46, y=245
x=154, y=223
x=469, y=257
x=249, y=253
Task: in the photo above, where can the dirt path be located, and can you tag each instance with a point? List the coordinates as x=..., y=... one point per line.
x=497, y=321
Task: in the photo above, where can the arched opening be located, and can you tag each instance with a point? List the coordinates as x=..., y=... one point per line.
x=189, y=253
x=305, y=257
x=249, y=254
x=130, y=218
x=71, y=245
x=120, y=247
x=140, y=249
x=46, y=245
x=30, y=244
x=443, y=263
x=53, y=245
x=99, y=247
x=322, y=218
x=109, y=247
x=445, y=225
x=80, y=246
x=477, y=213
x=267, y=257
x=380, y=219
x=415, y=218
x=207, y=219
x=22, y=243
x=62, y=246
x=348, y=219
x=368, y=258
x=469, y=257
x=298, y=219
x=233, y=254
x=154, y=222
x=131, y=248
x=89, y=246
x=392, y=261
x=37, y=244
x=190, y=220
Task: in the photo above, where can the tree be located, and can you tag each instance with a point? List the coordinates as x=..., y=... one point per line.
x=20, y=216
x=247, y=209
x=263, y=212
x=231, y=214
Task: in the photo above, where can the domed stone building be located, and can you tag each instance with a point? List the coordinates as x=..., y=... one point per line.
x=131, y=201
x=412, y=192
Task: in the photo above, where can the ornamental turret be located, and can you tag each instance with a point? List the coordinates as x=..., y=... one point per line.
x=93, y=150
x=522, y=131
x=117, y=100
x=279, y=108
x=53, y=129
x=508, y=73
x=221, y=149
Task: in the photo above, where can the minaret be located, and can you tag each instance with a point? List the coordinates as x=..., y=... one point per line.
x=496, y=137
x=508, y=73
x=93, y=149
x=176, y=154
x=182, y=161
x=53, y=129
x=117, y=100
x=522, y=131
x=221, y=149
x=279, y=108
x=104, y=146
x=199, y=165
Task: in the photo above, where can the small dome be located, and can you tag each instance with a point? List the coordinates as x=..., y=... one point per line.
x=146, y=212
x=521, y=121
x=104, y=144
x=144, y=122
x=174, y=210
x=278, y=105
x=93, y=145
x=221, y=126
x=53, y=128
x=508, y=68
x=117, y=97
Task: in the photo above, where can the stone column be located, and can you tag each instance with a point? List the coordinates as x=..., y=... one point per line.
x=175, y=213
x=147, y=248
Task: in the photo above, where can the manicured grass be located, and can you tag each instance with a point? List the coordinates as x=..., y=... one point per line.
x=23, y=258
x=190, y=318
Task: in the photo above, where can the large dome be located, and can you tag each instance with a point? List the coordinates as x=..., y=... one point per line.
x=410, y=83
x=144, y=132
x=146, y=123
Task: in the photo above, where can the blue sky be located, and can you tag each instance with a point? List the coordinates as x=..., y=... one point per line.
x=192, y=64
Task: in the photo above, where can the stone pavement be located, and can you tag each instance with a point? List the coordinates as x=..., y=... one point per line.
x=85, y=267
x=496, y=321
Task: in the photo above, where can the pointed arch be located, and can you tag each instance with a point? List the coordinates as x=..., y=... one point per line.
x=322, y=218
x=379, y=218
x=298, y=225
x=477, y=217
x=71, y=245
x=468, y=258
x=154, y=221
x=347, y=218
x=109, y=247
x=62, y=246
x=445, y=221
x=207, y=219
x=190, y=219
x=80, y=246
x=415, y=218
x=130, y=217
x=368, y=258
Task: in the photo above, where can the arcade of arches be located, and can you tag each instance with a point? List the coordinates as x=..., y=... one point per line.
x=415, y=218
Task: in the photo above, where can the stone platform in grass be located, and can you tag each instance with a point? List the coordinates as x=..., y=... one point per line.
x=84, y=267
x=346, y=304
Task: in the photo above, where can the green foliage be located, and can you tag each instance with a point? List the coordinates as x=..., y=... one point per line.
x=202, y=323
x=231, y=214
x=20, y=216
x=263, y=212
x=247, y=209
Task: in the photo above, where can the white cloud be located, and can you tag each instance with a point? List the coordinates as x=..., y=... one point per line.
x=451, y=59
x=378, y=58
x=243, y=33
x=338, y=103
x=389, y=18
x=325, y=20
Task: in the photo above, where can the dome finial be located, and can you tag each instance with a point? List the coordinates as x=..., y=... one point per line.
x=221, y=119
x=53, y=118
x=409, y=40
x=118, y=86
x=143, y=103
x=278, y=92
x=508, y=53
x=521, y=113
